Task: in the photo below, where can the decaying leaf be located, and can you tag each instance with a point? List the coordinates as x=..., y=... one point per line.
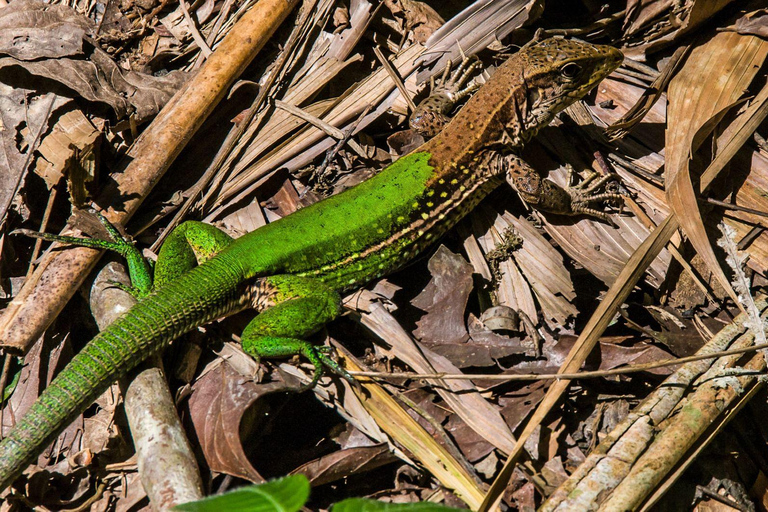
x=444, y=299
x=57, y=43
x=753, y=23
x=24, y=117
x=469, y=27
x=649, y=24
x=70, y=149
x=216, y=409
x=343, y=463
x=731, y=61
x=419, y=17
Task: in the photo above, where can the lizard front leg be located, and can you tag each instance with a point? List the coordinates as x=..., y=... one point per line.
x=431, y=115
x=292, y=308
x=545, y=195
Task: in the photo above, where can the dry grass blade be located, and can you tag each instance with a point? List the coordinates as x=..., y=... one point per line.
x=469, y=27
x=393, y=419
x=462, y=397
x=370, y=91
x=730, y=61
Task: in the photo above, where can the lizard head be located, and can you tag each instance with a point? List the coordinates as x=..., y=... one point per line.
x=558, y=72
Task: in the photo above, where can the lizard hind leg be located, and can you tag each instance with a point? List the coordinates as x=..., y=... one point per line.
x=188, y=245
x=139, y=268
x=292, y=307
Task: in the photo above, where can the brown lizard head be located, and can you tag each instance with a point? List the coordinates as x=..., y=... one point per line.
x=558, y=72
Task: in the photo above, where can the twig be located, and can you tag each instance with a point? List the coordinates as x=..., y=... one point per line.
x=395, y=78
x=560, y=376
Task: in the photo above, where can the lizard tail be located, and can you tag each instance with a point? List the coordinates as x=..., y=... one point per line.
x=149, y=326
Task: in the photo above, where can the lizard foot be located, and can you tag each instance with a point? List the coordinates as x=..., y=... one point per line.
x=281, y=346
x=138, y=267
x=452, y=84
x=431, y=115
x=320, y=357
x=585, y=194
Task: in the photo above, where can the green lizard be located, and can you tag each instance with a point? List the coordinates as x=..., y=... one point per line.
x=292, y=271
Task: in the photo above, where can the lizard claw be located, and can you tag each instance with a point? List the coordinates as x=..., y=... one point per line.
x=585, y=194
x=431, y=115
x=320, y=358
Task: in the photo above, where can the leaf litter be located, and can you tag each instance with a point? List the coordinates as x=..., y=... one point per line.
x=509, y=292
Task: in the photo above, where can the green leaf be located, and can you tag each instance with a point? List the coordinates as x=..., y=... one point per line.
x=286, y=494
x=364, y=505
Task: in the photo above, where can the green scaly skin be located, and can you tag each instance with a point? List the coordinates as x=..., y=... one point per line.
x=293, y=270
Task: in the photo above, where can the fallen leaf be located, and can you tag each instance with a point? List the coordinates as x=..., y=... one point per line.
x=444, y=299
x=730, y=61
x=216, y=408
x=24, y=115
x=344, y=463
x=754, y=23
x=66, y=54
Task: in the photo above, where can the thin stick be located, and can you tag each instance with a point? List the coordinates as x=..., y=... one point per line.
x=635, y=368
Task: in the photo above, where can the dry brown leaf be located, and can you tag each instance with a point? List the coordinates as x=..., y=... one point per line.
x=399, y=425
x=444, y=299
x=216, y=409
x=754, y=23
x=344, y=463
x=468, y=29
x=729, y=61
x=544, y=268
x=66, y=55
x=650, y=24
x=419, y=17
x=24, y=116
x=462, y=396
x=71, y=137
x=512, y=290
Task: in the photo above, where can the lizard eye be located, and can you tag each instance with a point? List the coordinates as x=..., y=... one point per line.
x=570, y=70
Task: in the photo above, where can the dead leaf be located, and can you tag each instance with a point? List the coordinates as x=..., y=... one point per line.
x=754, y=23
x=31, y=30
x=344, y=463
x=24, y=115
x=730, y=61
x=66, y=55
x=650, y=24
x=216, y=408
x=483, y=348
x=469, y=27
x=611, y=355
x=72, y=137
x=444, y=299
x=419, y=17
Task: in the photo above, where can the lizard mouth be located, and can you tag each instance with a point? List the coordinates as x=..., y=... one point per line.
x=610, y=59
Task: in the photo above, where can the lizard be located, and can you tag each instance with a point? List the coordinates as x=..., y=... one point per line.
x=292, y=271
